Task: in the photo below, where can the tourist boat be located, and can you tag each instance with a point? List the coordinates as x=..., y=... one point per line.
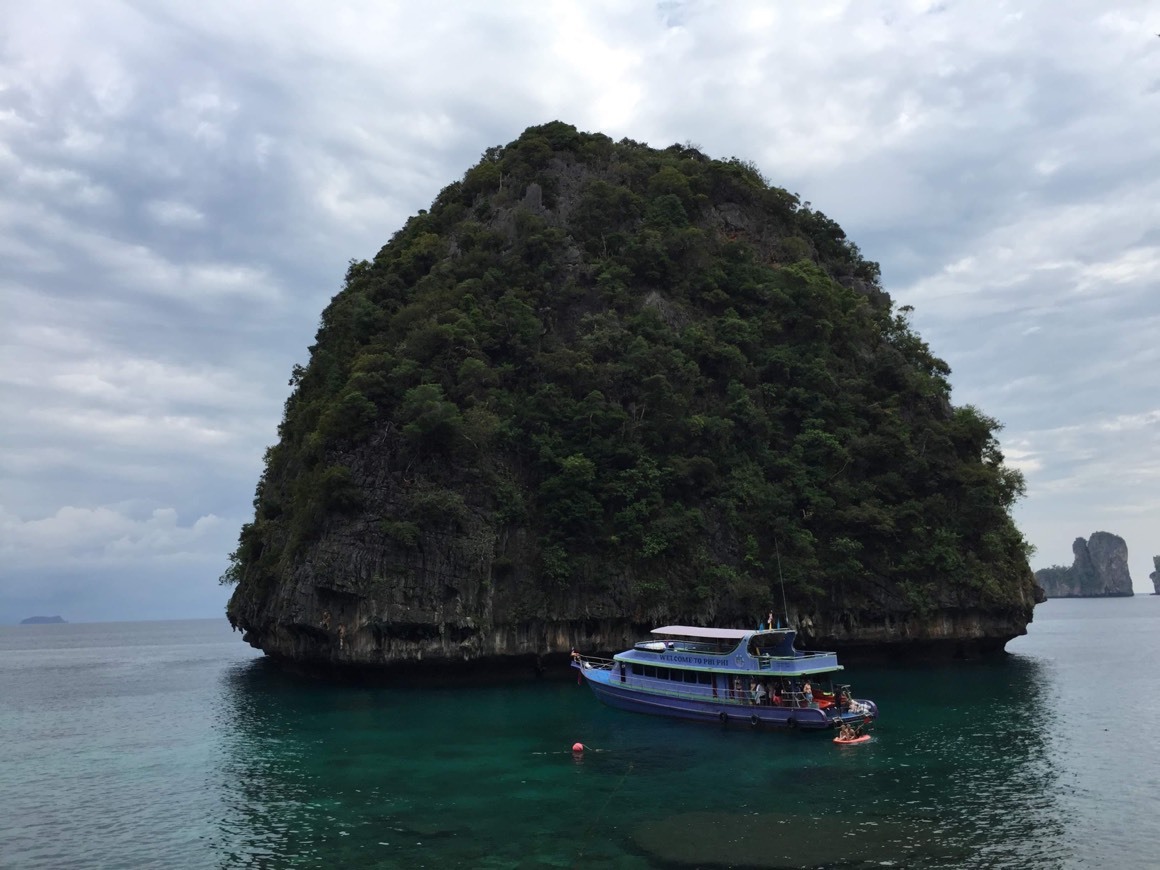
x=726, y=675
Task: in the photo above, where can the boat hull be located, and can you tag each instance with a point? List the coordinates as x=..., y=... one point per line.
x=637, y=700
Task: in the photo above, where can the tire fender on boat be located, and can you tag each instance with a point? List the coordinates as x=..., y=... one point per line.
x=791, y=722
x=724, y=717
x=754, y=720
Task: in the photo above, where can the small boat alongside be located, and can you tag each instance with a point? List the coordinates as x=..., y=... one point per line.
x=726, y=675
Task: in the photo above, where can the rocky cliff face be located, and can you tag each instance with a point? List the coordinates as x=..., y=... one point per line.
x=1100, y=570
x=1155, y=575
x=359, y=607
x=599, y=388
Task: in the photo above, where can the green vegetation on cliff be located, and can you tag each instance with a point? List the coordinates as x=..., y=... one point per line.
x=639, y=376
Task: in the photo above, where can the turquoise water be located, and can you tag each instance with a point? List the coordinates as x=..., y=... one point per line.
x=169, y=744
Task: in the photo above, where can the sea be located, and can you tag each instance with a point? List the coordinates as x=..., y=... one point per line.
x=174, y=745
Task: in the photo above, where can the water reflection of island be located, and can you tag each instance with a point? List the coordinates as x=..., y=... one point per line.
x=960, y=774
x=981, y=759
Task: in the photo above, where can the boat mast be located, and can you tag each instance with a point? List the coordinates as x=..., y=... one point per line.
x=781, y=580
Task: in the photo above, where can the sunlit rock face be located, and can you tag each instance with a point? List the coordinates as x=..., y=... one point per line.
x=1100, y=570
x=1155, y=575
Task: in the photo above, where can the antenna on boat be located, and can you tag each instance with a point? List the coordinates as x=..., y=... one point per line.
x=781, y=580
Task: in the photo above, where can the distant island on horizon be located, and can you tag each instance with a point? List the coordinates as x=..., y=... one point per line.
x=1100, y=570
x=42, y=620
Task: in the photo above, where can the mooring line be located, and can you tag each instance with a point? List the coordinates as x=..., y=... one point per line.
x=600, y=812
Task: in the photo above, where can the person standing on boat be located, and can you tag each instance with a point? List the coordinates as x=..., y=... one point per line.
x=759, y=694
x=808, y=694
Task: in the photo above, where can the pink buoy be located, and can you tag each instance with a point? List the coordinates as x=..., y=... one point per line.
x=577, y=747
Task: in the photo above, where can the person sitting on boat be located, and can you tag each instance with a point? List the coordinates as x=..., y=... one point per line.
x=808, y=694
x=776, y=699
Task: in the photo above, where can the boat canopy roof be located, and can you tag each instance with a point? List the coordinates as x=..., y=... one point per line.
x=709, y=633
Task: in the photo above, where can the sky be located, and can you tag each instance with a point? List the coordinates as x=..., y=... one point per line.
x=182, y=186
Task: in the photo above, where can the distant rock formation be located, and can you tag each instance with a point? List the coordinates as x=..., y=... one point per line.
x=1100, y=570
x=42, y=620
x=1155, y=575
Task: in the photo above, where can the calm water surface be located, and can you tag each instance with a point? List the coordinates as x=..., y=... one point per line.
x=170, y=744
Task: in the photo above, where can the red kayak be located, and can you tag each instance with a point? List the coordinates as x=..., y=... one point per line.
x=852, y=740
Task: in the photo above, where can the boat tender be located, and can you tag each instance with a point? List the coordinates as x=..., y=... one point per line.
x=754, y=677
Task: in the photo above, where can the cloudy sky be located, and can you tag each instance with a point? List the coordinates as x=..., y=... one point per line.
x=182, y=185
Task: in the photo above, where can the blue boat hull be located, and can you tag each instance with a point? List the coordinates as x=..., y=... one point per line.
x=638, y=700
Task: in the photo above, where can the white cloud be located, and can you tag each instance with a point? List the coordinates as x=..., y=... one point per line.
x=1134, y=266
x=104, y=535
x=204, y=115
x=1021, y=455
x=1133, y=422
x=63, y=182
x=172, y=213
x=1052, y=256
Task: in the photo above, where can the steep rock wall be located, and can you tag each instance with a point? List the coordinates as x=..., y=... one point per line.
x=360, y=604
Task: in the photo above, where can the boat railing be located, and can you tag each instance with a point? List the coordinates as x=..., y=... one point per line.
x=594, y=663
x=735, y=697
x=704, y=647
x=801, y=661
x=798, y=657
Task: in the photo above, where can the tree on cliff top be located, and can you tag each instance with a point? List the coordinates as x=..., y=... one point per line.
x=649, y=376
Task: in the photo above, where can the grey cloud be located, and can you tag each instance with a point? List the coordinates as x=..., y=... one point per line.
x=185, y=184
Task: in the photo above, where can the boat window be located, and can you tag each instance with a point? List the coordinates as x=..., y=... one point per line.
x=650, y=671
x=691, y=677
x=704, y=678
x=636, y=670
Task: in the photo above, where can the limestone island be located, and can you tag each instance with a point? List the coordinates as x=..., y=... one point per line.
x=1155, y=575
x=599, y=387
x=1100, y=570
x=42, y=620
